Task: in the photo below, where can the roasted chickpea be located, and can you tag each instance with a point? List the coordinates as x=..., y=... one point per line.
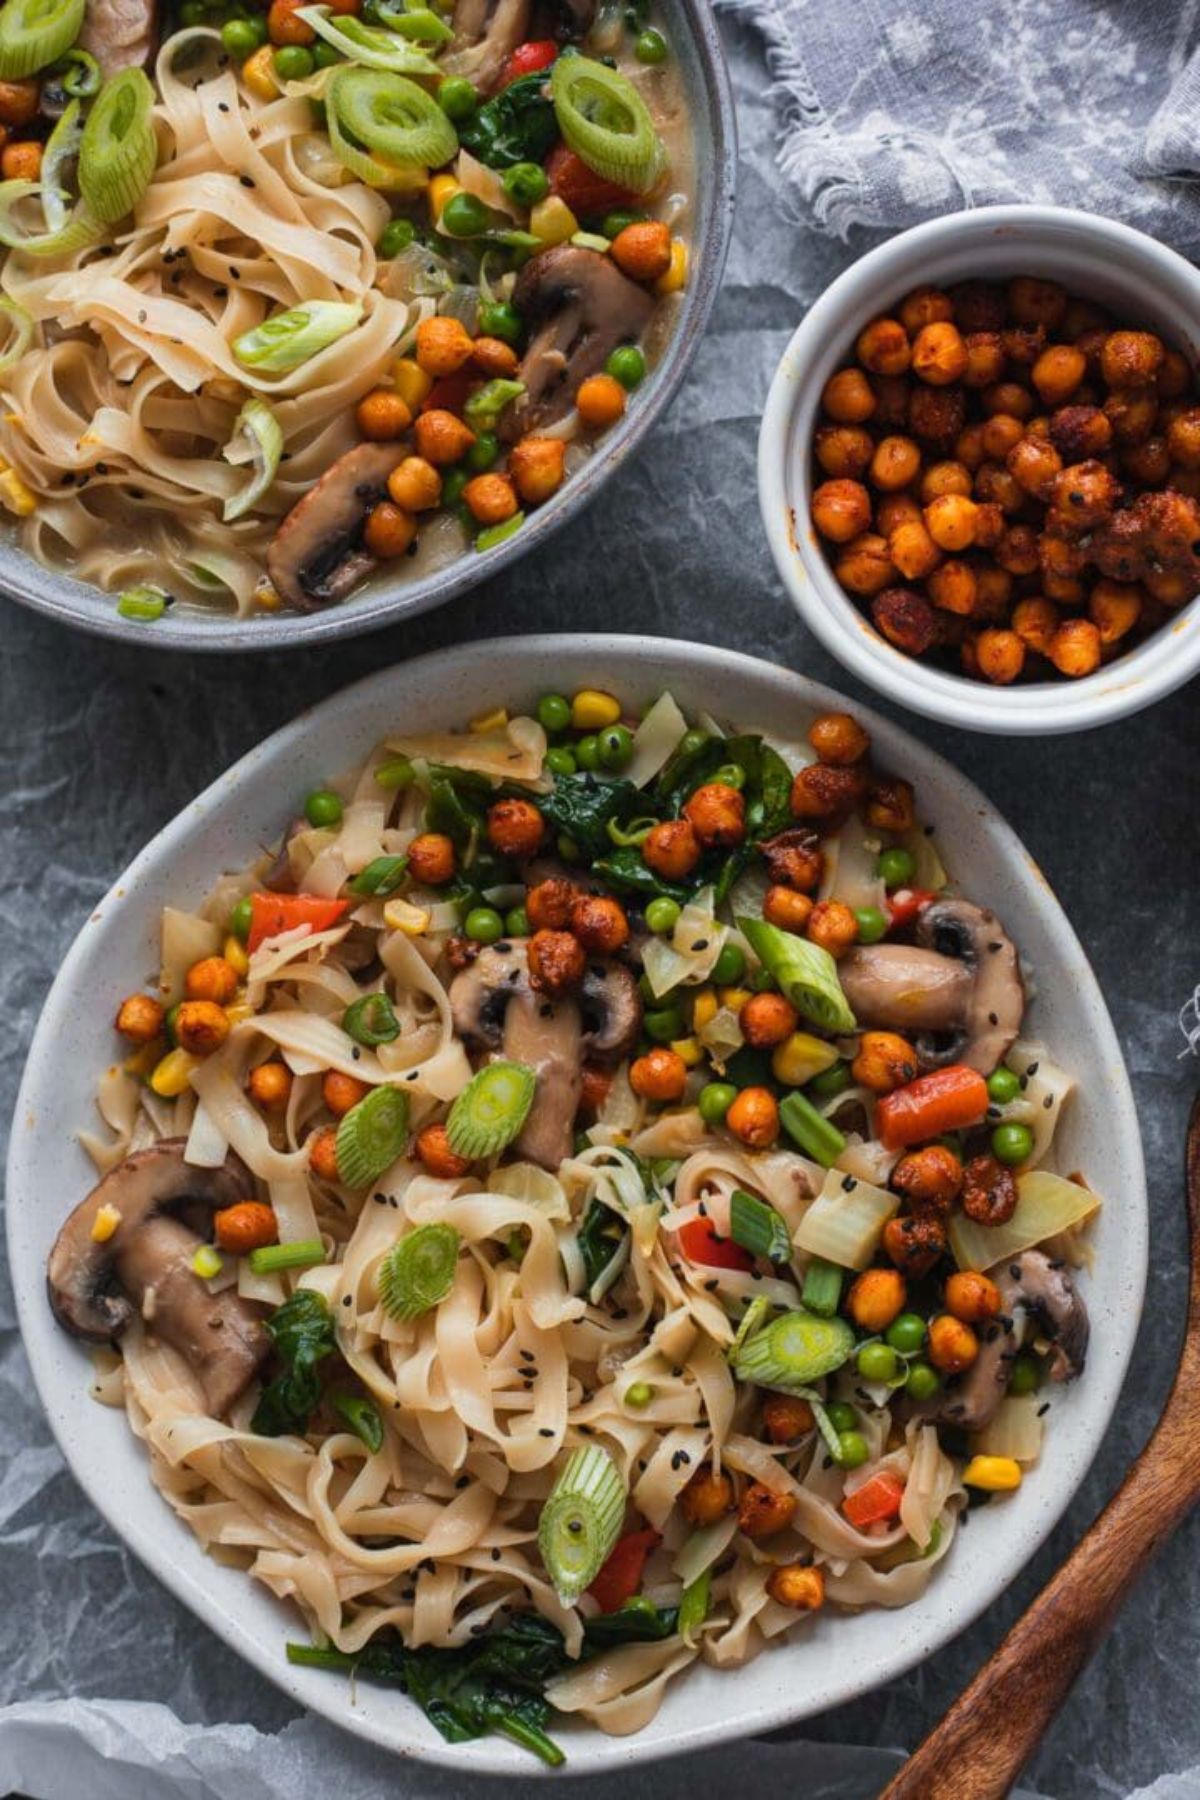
x=270, y=1086
x=939, y=356
x=1035, y=465
x=1080, y=432
x=848, y=398
x=906, y=619
x=284, y=27
x=843, y=451
x=388, y=531
x=549, y=904
x=999, y=433
x=786, y=1418
x=892, y=394
x=1148, y=462
x=436, y=1152
x=556, y=962
x=968, y=449
x=717, y=814
x=914, y=1243
x=1169, y=587
x=1075, y=648
x=925, y=306
x=954, y=588
x=929, y=1178
x=944, y=478
x=787, y=908
x=672, y=849
x=140, y=1018
x=382, y=414
x=1183, y=438
x=762, y=1511
x=431, y=859
x=441, y=437
x=767, y=1020
x=342, y=1092
x=211, y=979
x=953, y=1346
x=1114, y=608
x=1000, y=656
x=794, y=856
x=994, y=486
x=600, y=924
x=937, y=415
x=600, y=401
x=660, y=1075
x=876, y=1298
x=989, y=529
x=201, y=1026
x=972, y=1297
x=1174, y=375
x=989, y=1191
x=1035, y=620
x=515, y=828
x=1130, y=358
x=1132, y=413
x=841, y=510
x=247, y=1225
x=885, y=1061
x=821, y=792
x=595, y=1085
x=1082, y=316
x=833, y=926
x=838, y=739
x=1086, y=494
x=538, y=467
x=797, y=1585
x=883, y=347
x=754, y=1118
x=643, y=250
x=21, y=161
x=891, y=805
x=864, y=566
x=893, y=510
x=444, y=345
x=493, y=357
x=1035, y=302
x=979, y=305
x=950, y=521
x=490, y=498
x=986, y=361
x=896, y=463
x=1017, y=550
x=415, y=485
x=706, y=1498
x=912, y=551
x=322, y=1153
x=1023, y=346
x=19, y=102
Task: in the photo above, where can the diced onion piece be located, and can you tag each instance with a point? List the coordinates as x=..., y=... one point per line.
x=290, y=338
x=1015, y=1430
x=691, y=955
x=257, y=426
x=1046, y=1204
x=119, y=149
x=36, y=32
x=606, y=122
x=845, y=1223
x=581, y=1521
x=655, y=739
x=418, y=1272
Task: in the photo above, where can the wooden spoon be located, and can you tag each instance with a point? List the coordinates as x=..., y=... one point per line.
x=980, y=1747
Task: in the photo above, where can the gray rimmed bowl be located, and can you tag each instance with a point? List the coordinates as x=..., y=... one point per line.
x=697, y=47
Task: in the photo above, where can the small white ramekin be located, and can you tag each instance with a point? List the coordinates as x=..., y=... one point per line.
x=1142, y=283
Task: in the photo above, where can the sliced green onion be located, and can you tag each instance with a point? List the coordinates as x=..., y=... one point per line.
x=368, y=45
x=822, y=1289
x=499, y=534
x=825, y=1425
x=491, y=1109
x=386, y=129
x=794, y=1350
x=80, y=230
x=81, y=77
x=119, y=148
x=484, y=407
x=36, y=32
x=257, y=425
x=383, y=876
x=817, y=1136
x=22, y=332
x=806, y=974
x=362, y=1416
x=749, y=1322
x=146, y=602
x=581, y=1521
x=371, y=1136
x=371, y=1020
x=289, y=338
x=396, y=773
x=635, y=833
x=590, y=240
x=270, y=1259
x=605, y=121
x=206, y=1263
x=693, y=1606
x=421, y=24
x=758, y=1228
x=61, y=147
x=418, y=1272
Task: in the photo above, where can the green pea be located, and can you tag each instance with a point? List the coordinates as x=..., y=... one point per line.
x=615, y=222
x=500, y=320
x=877, y=1362
x=691, y=742
x=1026, y=1376
x=895, y=868
x=396, y=772
x=871, y=924
x=664, y=1026
x=516, y=922
x=456, y=97
x=239, y=918
x=293, y=63
x=483, y=452
x=663, y=914
x=1003, y=1085
x=842, y=1416
x=568, y=849
x=325, y=56
x=831, y=1081
x=396, y=237
x=647, y=993
x=483, y=925
x=170, y=1023
x=715, y=1100
x=761, y=982
x=922, y=1382
x=240, y=38
x=627, y=365
x=453, y=483
x=651, y=47
x=323, y=808
x=553, y=712
x=1012, y=1144
x=614, y=746
x=852, y=1450
x=192, y=12
x=906, y=1334
x=729, y=775
x=463, y=216
x=730, y=966
x=526, y=183
x=561, y=761
x=587, y=752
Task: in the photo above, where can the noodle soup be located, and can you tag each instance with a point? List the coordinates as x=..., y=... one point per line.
x=338, y=290
x=619, y=1164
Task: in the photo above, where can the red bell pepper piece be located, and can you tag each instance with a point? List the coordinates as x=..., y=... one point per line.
x=621, y=1576
x=586, y=193
x=702, y=1243
x=272, y=913
x=905, y=904
x=945, y=1100
x=452, y=392
x=528, y=58
x=875, y=1501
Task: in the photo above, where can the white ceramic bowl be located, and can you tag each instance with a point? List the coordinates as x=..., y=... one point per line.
x=837, y=1657
x=1140, y=280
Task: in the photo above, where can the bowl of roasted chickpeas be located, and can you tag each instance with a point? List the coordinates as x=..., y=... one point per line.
x=979, y=469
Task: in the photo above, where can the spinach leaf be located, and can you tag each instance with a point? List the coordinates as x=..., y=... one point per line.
x=623, y=868
x=582, y=806
x=638, y=1621
x=304, y=1336
x=688, y=768
x=518, y=125
x=454, y=811
x=776, y=794
x=599, y=1239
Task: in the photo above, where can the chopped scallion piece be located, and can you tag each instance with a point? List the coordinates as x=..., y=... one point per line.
x=371, y=1020
x=581, y=1521
x=257, y=426
x=290, y=338
x=758, y=1228
x=806, y=974
x=491, y=1109
x=397, y=772
x=484, y=407
x=750, y=1321
x=793, y=1350
x=271, y=1258
x=119, y=148
x=362, y=1416
x=822, y=1290
x=816, y=1135
x=206, y=1263
x=497, y=534
x=693, y=1605
x=418, y=1272
x=381, y=877
x=371, y=1136
x=144, y=602
x=36, y=32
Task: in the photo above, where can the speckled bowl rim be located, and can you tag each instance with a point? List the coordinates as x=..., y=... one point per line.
x=841, y=1657
x=385, y=602
x=1046, y=240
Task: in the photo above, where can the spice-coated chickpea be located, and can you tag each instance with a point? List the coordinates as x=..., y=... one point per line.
x=821, y=792
x=794, y=855
x=912, y=551
x=797, y=1585
x=930, y=1177
x=557, y=962
x=950, y=522
x=1079, y=432
x=415, y=485
x=140, y=1018
x=1183, y=438
x=953, y=588
x=754, y=1118
x=979, y=305
x=787, y=908
x=643, y=250
x=19, y=102
x=1017, y=550
x=717, y=814
x=322, y=1153
x=515, y=828
x=939, y=355
x=382, y=415
x=884, y=1061
x=1075, y=648
x=937, y=415
x=21, y=161
x=896, y=463
x=883, y=347
x=972, y=1297
x=833, y=926
x=1130, y=358
x=211, y=979
x=786, y=1417
x=925, y=306
x=914, y=1243
x=490, y=498
x=660, y=1075
x=953, y=1346
x=600, y=924
x=1022, y=347
x=1035, y=620
x=600, y=401
x=892, y=396
x=1086, y=493
x=248, y=1225
x=548, y=904
x=968, y=448
x=595, y=1085
x=999, y=433
x=986, y=361
x=1169, y=587
x=1147, y=463
x=706, y=1498
x=839, y=739
x=891, y=805
x=284, y=27
x=864, y=566
x=493, y=357
x=762, y=1511
x=1000, y=656
x=767, y=1020
x=848, y=398
x=441, y=437
x=994, y=486
x=431, y=859
x=942, y=478
x=1132, y=413
x=672, y=849
x=342, y=1092
x=1174, y=375
x=990, y=526
x=1035, y=465
x=1033, y=302
x=841, y=510
x=906, y=620
x=896, y=509
x=436, y=1153
x=389, y=531
x=443, y=346
x=1008, y=397
x=201, y=1026
x=1057, y=373
x=843, y=450
x=270, y=1086
x=1114, y=608
x=877, y=1298
x=537, y=465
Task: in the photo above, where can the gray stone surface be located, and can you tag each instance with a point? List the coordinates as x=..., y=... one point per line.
x=101, y=744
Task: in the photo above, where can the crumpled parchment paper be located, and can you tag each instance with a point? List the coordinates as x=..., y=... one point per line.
x=109, y=1689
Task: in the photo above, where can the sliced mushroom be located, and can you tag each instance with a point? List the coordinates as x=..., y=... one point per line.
x=580, y=308
x=120, y=34
x=316, y=556
x=1031, y=1286
x=486, y=32
x=146, y=1265
x=957, y=991
x=495, y=1007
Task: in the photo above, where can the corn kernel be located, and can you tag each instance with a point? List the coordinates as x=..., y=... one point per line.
x=492, y=721
x=266, y=597
x=172, y=1076
x=258, y=73
x=234, y=952
x=402, y=915
x=704, y=1009
x=994, y=1474
x=142, y=1061
x=800, y=1057
x=239, y=1012
x=592, y=711
x=411, y=381
x=689, y=1050
x=734, y=998
x=16, y=496
x=676, y=276
x=105, y=1223
x=552, y=221
x=441, y=189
